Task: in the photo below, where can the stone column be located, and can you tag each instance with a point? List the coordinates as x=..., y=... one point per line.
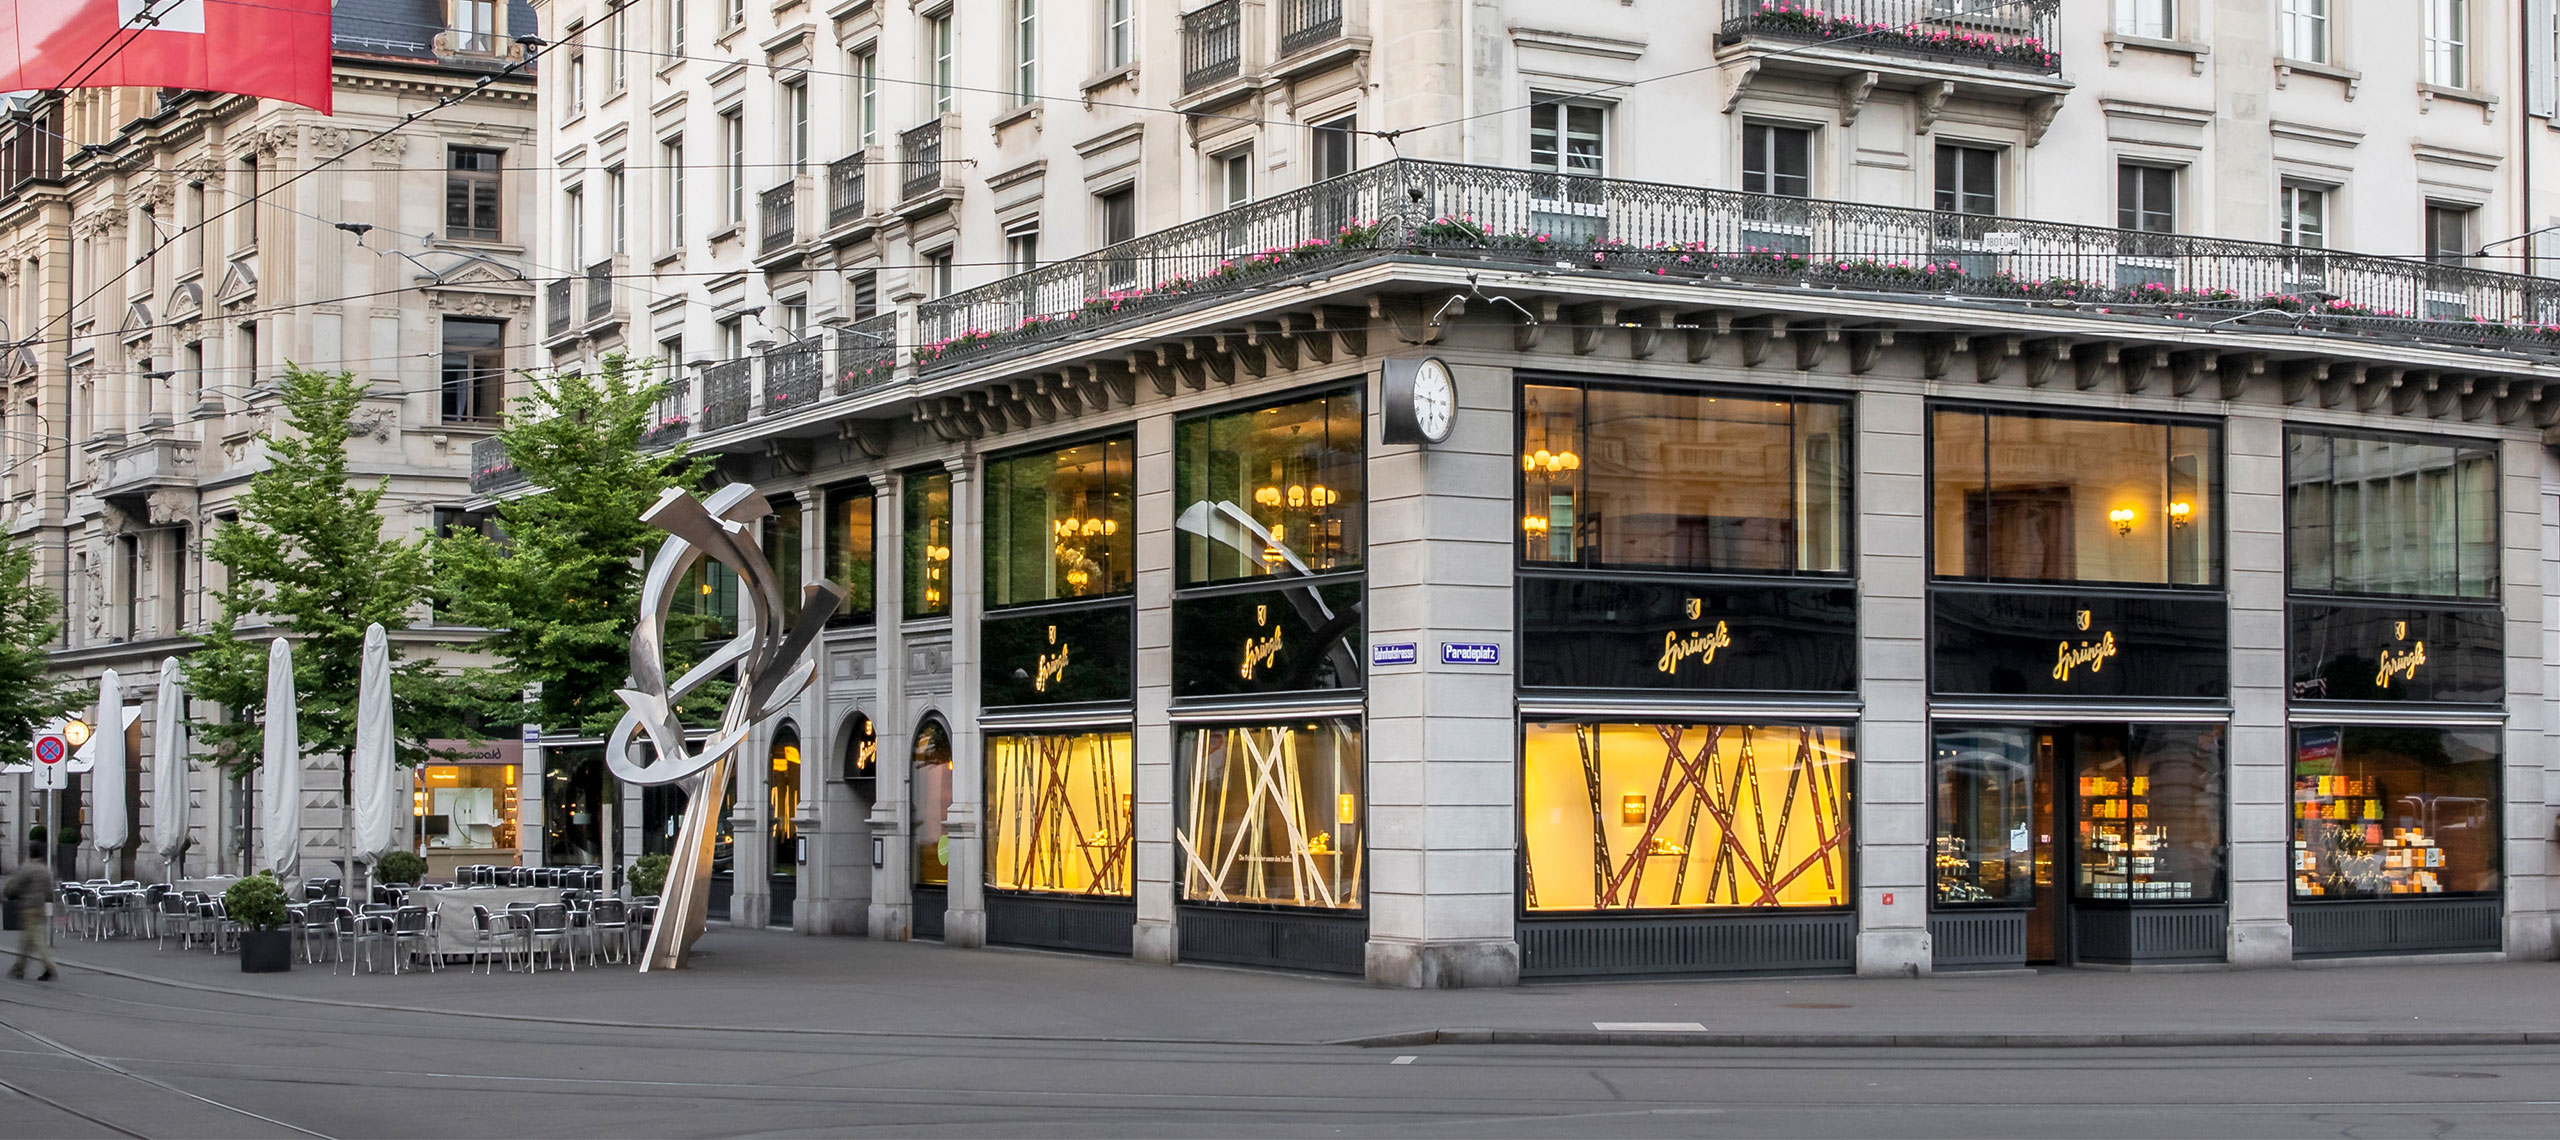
x=965, y=921
x=1443, y=744
x=2260, y=780
x=751, y=848
x=1891, y=830
x=893, y=879
x=821, y=890
x=2527, y=791
x=1157, y=939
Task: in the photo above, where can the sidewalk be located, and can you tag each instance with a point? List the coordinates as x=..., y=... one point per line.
x=769, y=982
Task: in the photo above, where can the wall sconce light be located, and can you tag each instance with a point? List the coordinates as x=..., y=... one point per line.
x=1346, y=808
x=1631, y=810
x=2123, y=518
x=2180, y=512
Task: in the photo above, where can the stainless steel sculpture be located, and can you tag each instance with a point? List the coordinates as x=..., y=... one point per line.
x=772, y=666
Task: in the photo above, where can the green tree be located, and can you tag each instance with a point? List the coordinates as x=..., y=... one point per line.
x=560, y=588
x=308, y=559
x=30, y=619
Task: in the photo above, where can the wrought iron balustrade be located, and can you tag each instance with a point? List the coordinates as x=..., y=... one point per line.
x=2012, y=34
x=921, y=148
x=491, y=470
x=600, y=290
x=726, y=389
x=794, y=374
x=555, y=304
x=1308, y=23
x=1413, y=208
x=845, y=190
x=867, y=353
x=670, y=422
x=1212, y=44
x=781, y=210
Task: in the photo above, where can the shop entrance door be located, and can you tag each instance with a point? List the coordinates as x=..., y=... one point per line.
x=2049, y=915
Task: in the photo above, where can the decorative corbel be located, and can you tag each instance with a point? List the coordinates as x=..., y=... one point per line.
x=1755, y=335
x=1248, y=355
x=1416, y=322
x=1992, y=353
x=1853, y=95
x=1866, y=346
x=1743, y=77
x=1527, y=337
x=2513, y=401
x=2343, y=378
x=1644, y=331
x=1060, y=393
x=1591, y=322
x=2040, y=356
x=1349, y=326
x=1313, y=342
x=2234, y=371
x=1703, y=328
x=2413, y=390
x=1937, y=354
x=2186, y=371
x=1032, y=397
x=790, y=456
x=2090, y=363
x=2448, y=394
x=2484, y=392
x=1275, y=342
x=2135, y=367
x=2379, y=384
x=1813, y=341
x=1151, y=363
x=2301, y=379
x=870, y=437
x=1933, y=103
x=2040, y=114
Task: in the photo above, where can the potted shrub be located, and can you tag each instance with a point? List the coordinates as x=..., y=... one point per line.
x=400, y=867
x=649, y=875
x=257, y=902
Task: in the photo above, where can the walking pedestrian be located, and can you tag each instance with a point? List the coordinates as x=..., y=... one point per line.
x=29, y=888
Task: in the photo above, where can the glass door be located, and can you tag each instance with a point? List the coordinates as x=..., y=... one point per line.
x=2048, y=915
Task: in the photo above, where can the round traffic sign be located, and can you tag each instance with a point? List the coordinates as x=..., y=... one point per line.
x=49, y=749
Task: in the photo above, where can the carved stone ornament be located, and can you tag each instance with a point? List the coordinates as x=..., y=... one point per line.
x=474, y=303
x=170, y=505
x=374, y=422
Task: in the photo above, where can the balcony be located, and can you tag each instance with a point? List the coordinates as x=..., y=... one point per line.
x=1212, y=45
x=491, y=470
x=867, y=354
x=848, y=190
x=779, y=210
x=728, y=389
x=1306, y=25
x=929, y=181
x=795, y=374
x=143, y=467
x=1721, y=239
x=558, y=321
x=2002, y=35
x=601, y=309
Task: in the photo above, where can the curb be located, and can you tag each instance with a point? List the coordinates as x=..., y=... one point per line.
x=2163, y=1040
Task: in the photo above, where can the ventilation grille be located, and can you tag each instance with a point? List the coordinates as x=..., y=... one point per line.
x=1060, y=924
x=2433, y=926
x=930, y=903
x=2134, y=935
x=715, y=904
x=1325, y=943
x=1793, y=943
x=1978, y=938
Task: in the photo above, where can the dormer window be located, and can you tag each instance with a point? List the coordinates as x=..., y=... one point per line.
x=475, y=26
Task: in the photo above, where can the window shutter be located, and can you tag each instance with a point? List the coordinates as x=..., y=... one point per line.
x=2542, y=93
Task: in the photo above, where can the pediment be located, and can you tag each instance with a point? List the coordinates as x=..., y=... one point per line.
x=137, y=319
x=239, y=283
x=186, y=300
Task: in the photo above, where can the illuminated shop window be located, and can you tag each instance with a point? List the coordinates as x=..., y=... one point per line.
x=467, y=807
x=2058, y=499
x=1640, y=478
x=1061, y=524
x=2392, y=516
x=706, y=601
x=1270, y=492
x=929, y=801
x=1272, y=814
x=849, y=550
x=782, y=802
x=1058, y=810
x=2123, y=813
x=2394, y=811
x=1687, y=816
x=928, y=543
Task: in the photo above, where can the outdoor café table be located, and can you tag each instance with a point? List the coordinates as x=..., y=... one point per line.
x=454, y=933
x=213, y=887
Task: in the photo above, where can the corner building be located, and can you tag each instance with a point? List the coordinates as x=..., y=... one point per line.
x=1772, y=520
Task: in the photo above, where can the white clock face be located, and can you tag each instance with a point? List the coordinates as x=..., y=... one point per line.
x=1435, y=400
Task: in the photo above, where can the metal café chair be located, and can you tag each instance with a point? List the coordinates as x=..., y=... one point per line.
x=413, y=931
x=317, y=922
x=497, y=932
x=552, y=934
x=371, y=929
x=609, y=924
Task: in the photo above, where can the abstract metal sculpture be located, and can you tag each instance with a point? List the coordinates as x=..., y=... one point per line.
x=772, y=665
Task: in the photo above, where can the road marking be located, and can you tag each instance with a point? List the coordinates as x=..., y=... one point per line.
x=1648, y=1027
x=1407, y=1059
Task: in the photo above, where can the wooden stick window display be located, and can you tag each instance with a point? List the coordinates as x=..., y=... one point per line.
x=1273, y=816
x=1628, y=816
x=1058, y=812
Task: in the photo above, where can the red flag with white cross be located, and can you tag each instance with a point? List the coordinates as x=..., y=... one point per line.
x=274, y=49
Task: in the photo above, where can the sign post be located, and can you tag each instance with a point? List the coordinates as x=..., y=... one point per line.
x=51, y=751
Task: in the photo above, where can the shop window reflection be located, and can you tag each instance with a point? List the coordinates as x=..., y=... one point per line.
x=1273, y=814
x=2388, y=811
x=1685, y=816
x=929, y=802
x=1061, y=524
x=927, y=564
x=2149, y=810
x=849, y=550
x=1985, y=852
x=2057, y=499
x=1058, y=812
x=1271, y=492
x=2392, y=516
x=1643, y=478
x=782, y=801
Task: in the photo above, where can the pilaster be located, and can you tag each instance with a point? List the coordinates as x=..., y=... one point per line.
x=965, y=921
x=892, y=916
x=2259, y=779
x=1156, y=938
x=1892, y=825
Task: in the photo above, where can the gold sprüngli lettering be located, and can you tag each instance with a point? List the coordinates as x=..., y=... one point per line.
x=1258, y=653
x=1052, y=666
x=2405, y=665
x=1703, y=646
x=2092, y=654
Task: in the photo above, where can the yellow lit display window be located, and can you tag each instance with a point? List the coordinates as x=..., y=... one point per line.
x=1272, y=814
x=1058, y=810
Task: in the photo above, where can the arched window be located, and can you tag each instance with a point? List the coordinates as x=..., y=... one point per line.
x=928, y=800
x=782, y=799
x=861, y=749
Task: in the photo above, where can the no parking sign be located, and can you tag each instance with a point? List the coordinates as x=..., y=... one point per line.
x=52, y=752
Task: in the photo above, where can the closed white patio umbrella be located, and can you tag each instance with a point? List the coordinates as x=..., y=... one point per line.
x=377, y=770
x=109, y=828
x=280, y=765
x=169, y=768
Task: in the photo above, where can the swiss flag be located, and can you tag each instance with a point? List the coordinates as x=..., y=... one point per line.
x=274, y=49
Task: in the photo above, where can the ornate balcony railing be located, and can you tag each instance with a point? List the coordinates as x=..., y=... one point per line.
x=670, y=423
x=794, y=374
x=1308, y=23
x=1212, y=44
x=1659, y=233
x=781, y=210
x=867, y=353
x=845, y=190
x=555, y=305
x=726, y=390
x=921, y=148
x=491, y=470
x=2012, y=34
x=600, y=290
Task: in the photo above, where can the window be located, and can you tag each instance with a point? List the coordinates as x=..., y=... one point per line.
x=795, y=118
x=2062, y=499
x=733, y=168
x=1060, y=524
x=1059, y=812
x=866, y=94
x=848, y=550
x=675, y=28
x=1118, y=210
x=937, y=272
x=248, y=200
x=1119, y=39
x=929, y=802
x=618, y=201
x=2377, y=515
x=927, y=563
x=618, y=33
x=1640, y=478
x=2305, y=27
x=2303, y=215
x=248, y=371
x=2146, y=198
x=1611, y=819
x=736, y=15
x=188, y=387
x=1271, y=814
x=1968, y=179
x=573, y=237
x=1026, y=50
x=1335, y=155
x=576, y=80
x=173, y=591
x=2151, y=19
x=2448, y=42
x=671, y=160
x=1022, y=250
x=475, y=370
x=1567, y=137
x=1272, y=492
x=192, y=220
x=2448, y=233
x=475, y=26
x=864, y=290
x=781, y=542
x=938, y=49
x=2394, y=811
x=471, y=196
x=733, y=339
x=1235, y=178
x=2123, y=813
x=1777, y=160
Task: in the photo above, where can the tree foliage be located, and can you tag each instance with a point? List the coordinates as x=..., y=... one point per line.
x=560, y=587
x=307, y=559
x=30, y=619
